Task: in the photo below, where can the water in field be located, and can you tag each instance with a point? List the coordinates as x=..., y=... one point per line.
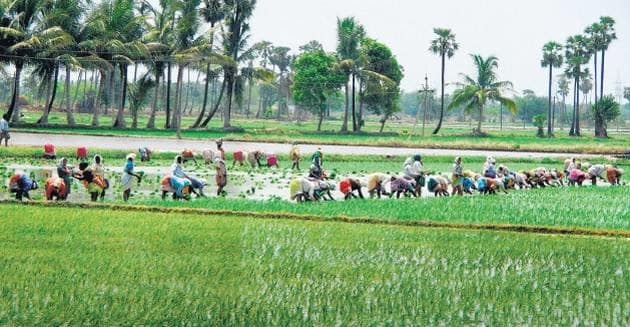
x=254, y=184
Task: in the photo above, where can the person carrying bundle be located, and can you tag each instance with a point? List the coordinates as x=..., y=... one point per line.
x=21, y=184
x=128, y=175
x=348, y=186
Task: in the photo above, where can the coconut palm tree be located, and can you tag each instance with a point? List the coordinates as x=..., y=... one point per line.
x=475, y=92
x=159, y=32
x=444, y=46
x=349, y=36
x=185, y=48
x=212, y=12
x=577, y=55
x=281, y=58
x=138, y=93
x=238, y=14
x=19, y=25
x=115, y=35
x=552, y=58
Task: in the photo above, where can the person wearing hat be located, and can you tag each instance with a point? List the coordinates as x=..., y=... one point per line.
x=21, y=184
x=127, y=177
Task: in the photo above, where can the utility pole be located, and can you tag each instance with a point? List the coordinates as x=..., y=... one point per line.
x=425, y=91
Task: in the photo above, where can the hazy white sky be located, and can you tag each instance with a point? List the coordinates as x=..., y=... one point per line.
x=515, y=31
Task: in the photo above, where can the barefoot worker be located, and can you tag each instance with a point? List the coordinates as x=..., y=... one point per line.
x=128, y=175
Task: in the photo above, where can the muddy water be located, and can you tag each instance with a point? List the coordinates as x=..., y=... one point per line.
x=254, y=185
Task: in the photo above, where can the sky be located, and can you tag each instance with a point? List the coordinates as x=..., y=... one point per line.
x=514, y=31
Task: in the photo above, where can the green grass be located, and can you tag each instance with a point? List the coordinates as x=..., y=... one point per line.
x=76, y=267
x=587, y=207
x=398, y=134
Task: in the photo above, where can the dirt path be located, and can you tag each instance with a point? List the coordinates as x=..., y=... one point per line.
x=168, y=144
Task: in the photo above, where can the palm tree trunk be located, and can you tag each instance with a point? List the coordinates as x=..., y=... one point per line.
x=595, y=76
x=205, y=98
x=82, y=76
x=69, y=115
x=249, y=98
x=216, y=105
x=572, y=130
x=549, y=114
x=360, y=117
x=260, y=102
x=601, y=80
x=14, y=107
x=53, y=93
x=439, y=126
x=120, y=116
x=99, y=97
x=480, y=120
x=168, y=96
x=354, y=115
x=229, y=76
x=177, y=96
x=344, y=126
x=577, y=111
x=177, y=117
x=151, y=122
x=186, y=102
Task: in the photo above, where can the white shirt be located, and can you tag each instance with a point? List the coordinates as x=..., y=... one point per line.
x=4, y=125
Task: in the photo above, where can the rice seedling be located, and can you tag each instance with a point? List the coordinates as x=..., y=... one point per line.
x=68, y=266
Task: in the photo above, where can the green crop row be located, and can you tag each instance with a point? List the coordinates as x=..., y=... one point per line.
x=97, y=267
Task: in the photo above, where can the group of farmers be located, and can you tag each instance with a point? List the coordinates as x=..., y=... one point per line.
x=317, y=185
x=493, y=178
